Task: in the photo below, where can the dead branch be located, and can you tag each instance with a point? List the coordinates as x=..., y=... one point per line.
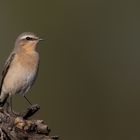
x=18, y=126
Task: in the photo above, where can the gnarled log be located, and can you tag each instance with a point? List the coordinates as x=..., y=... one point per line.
x=18, y=126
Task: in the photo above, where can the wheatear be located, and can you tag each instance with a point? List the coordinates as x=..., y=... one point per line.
x=21, y=67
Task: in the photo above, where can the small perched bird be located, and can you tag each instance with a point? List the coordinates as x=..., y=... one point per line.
x=21, y=67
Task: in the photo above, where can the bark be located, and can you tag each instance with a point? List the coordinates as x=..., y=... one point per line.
x=18, y=126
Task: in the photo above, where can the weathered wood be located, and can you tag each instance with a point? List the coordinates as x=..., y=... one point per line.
x=18, y=126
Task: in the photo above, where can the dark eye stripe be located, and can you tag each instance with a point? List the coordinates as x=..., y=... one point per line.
x=29, y=38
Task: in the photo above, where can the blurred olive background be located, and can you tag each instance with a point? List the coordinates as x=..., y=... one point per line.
x=88, y=84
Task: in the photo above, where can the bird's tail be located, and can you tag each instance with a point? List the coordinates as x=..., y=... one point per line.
x=3, y=98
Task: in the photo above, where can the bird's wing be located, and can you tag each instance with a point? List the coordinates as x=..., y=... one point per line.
x=6, y=68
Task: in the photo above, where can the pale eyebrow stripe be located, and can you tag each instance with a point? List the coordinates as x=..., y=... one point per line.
x=23, y=37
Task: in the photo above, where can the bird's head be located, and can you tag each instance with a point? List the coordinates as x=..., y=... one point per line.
x=27, y=41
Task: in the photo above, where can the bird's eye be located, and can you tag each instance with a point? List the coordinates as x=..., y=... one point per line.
x=28, y=38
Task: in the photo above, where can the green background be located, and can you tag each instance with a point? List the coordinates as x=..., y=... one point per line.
x=89, y=77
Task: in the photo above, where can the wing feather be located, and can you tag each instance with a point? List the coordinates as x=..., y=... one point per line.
x=6, y=68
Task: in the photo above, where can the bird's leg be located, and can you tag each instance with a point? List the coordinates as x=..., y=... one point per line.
x=10, y=102
x=27, y=100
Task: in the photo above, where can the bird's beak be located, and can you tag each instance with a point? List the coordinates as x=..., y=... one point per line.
x=40, y=39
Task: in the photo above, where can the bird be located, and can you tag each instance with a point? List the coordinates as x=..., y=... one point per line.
x=21, y=68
